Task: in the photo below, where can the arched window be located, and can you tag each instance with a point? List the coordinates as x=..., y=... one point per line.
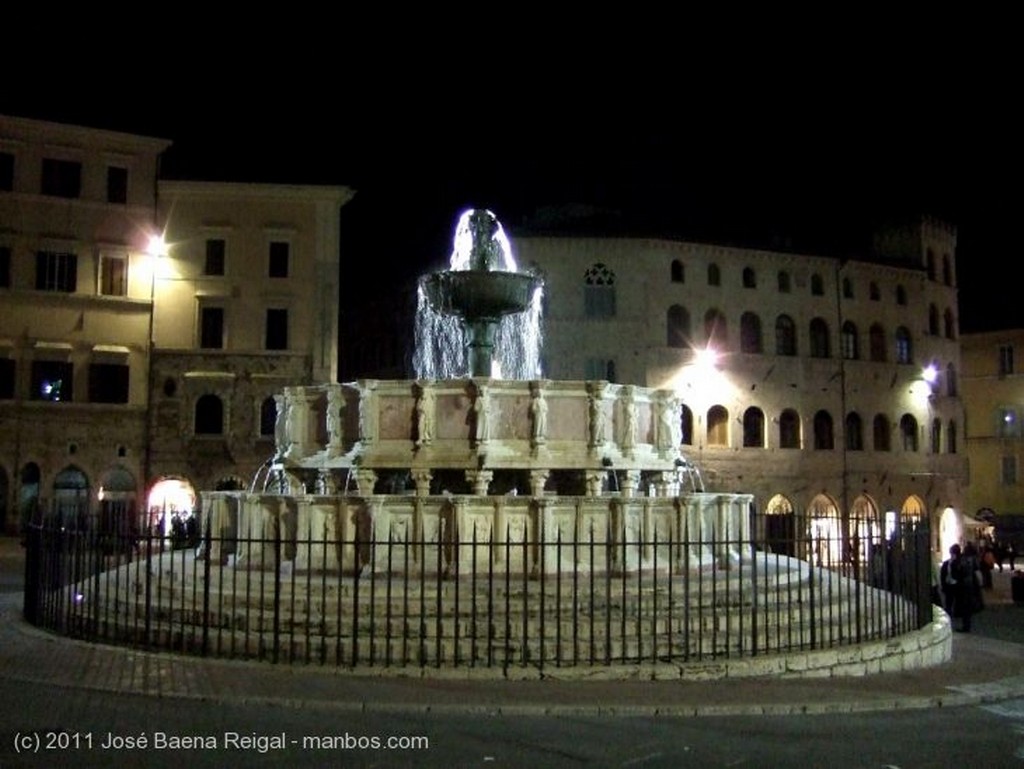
x=268, y=417
x=785, y=336
x=824, y=439
x=947, y=270
x=876, y=338
x=873, y=292
x=677, y=326
x=951, y=437
x=750, y=333
x=817, y=285
x=753, y=428
x=951, y=383
x=718, y=426
x=789, y=429
x=936, y=435
x=749, y=278
x=908, y=429
x=848, y=339
x=678, y=272
x=933, y=320
x=209, y=417
x=715, y=331
x=930, y=264
x=847, y=288
x=882, y=433
x=785, y=285
x=950, y=324
x=904, y=354
x=820, y=347
x=714, y=275
x=686, y=420
x=901, y=296
x=599, y=292
x=854, y=432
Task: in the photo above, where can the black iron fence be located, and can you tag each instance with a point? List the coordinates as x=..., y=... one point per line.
x=476, y=600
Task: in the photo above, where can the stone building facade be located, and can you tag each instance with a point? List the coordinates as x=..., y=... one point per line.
x=77, y=210
x=121, y=367
x=817, y=401
x=993, y=392
x=247, y=304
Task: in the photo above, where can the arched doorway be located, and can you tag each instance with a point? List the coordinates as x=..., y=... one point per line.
x=780, y=526
x=117, y=503
x=825, y=529
x=71, y=499
x=172, y=508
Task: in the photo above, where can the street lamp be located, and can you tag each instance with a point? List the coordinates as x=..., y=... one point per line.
x=156, y=249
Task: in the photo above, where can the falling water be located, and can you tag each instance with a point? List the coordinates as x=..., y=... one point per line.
x=441, y=339
x=441, y=343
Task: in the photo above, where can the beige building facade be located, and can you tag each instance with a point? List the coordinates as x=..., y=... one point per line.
x=993, y=392
x=77, y=208
x=246, y=305
x=816, y=400
x=122, y=365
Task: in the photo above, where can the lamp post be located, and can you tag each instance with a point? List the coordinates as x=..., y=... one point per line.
x=157, y=250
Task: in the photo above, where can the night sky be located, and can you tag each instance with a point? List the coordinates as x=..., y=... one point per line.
x=814, y=177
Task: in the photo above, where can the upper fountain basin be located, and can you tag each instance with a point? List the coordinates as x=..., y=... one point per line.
x=479, y=295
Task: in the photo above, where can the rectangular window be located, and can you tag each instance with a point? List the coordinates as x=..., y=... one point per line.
x=1009, y=468
x=279, y=259
x=5, y=267
x=216, y=248
x=117, y=184
x=1005, y=359
x=113, y=275
x=108, y=383
x=6, y=379
x=277, y=329
x=211, y=328
x=599, y=301
x=56, y=271
x=62, y=178
x=52, y=380
x=6, y=171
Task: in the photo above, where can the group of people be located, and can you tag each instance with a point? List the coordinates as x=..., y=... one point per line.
x=960, y=580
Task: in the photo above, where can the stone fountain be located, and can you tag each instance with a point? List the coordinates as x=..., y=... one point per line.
x=481, y=288
x=465, y=501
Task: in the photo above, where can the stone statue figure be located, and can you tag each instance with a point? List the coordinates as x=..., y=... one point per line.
x=335, y=404
x=366, y=420
x=424, y=416
x=676, y=411
x=628, y=420
x=539, y=411
x=668, y=434
x=597, y=421
x=281, y=424
x=481, y=420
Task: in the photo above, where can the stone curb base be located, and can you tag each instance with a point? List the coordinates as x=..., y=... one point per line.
x=929, y=647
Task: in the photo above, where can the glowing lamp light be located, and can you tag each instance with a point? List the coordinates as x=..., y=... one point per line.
x=930, y=374
x=157, y=246
x=706, y=358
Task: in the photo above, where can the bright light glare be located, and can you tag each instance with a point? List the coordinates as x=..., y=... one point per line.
x=930, y=374
x=705, y=358
x=157, y=246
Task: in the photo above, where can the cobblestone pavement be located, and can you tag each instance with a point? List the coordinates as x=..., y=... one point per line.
x=987, y=666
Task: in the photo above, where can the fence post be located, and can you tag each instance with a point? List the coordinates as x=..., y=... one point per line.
x=33, y=563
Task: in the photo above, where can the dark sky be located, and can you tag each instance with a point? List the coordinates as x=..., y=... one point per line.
x=766, y=169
